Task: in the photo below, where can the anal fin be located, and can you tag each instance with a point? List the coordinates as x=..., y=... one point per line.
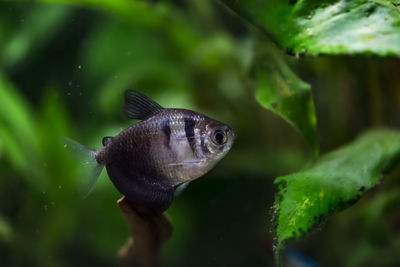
x=140, y=189
x=181, y=188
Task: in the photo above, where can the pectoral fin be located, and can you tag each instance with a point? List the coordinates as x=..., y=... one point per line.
x=140, y=189
x=181, y=188
x=107, y=140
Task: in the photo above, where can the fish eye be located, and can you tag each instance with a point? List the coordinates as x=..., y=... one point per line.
x=219, y=137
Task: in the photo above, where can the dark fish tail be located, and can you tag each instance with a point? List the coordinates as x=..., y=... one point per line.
x=90, y=168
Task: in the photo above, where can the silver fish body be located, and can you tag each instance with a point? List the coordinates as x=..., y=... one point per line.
x=167, y=148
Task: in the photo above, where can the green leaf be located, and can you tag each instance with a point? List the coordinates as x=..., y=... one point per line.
x=138, y=14
x=18, y=134
x=6, y=231
x=51, y=123
x=327, y=27
x=41, y=25
x=285, y=94
x=333, y=182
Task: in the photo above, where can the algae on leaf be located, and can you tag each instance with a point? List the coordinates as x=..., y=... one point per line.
x=333, y=182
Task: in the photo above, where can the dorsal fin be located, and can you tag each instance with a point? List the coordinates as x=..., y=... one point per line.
x=140, y=107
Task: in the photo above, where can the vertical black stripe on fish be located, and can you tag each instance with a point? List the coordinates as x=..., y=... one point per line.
x=189, y=131
x=166, y=128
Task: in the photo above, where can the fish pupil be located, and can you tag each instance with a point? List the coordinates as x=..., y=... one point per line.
x=219, y=137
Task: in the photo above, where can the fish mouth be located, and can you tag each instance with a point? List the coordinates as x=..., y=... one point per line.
x=234, y=135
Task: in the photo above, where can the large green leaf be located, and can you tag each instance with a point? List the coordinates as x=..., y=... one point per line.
x=282, y=92
x=17, y=132
x=333, y=182
x=327, y=27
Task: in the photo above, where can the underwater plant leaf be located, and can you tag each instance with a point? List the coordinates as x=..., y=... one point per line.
x=40, y=25
x=327, y=27
x=15, y=117
x=332, y=183
x=6, y=231
x=52, y=122
x=17, y=131
x=135, y=13
x=285, y=94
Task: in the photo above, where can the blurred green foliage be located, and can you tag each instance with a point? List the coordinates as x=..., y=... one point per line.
x=63, y=68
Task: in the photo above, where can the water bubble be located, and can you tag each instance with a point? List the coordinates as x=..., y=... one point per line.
x=65, y=145
x=59, y=187
x=69, y=83
x=79, y=67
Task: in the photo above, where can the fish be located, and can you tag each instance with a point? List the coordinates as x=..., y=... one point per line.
x=167, y=149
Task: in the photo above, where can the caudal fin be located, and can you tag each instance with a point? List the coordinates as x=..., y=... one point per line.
x=90, y=169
